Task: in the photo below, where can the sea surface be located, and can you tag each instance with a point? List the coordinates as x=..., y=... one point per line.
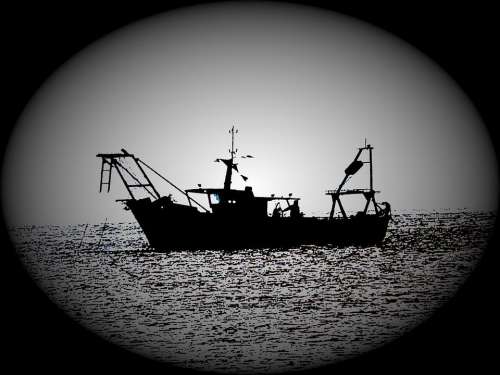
x=254, y=310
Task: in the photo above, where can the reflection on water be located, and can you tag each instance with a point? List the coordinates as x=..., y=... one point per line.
x=254, y=310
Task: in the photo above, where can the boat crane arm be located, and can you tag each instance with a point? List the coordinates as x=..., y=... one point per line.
x=354, y=167
x=173, y=185
x=347, y=174
x=112, y=161
x=155, y=195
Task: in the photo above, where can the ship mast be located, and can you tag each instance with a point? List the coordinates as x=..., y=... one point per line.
x=230, y=162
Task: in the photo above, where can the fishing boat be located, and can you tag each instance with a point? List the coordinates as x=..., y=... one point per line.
x=238, y=218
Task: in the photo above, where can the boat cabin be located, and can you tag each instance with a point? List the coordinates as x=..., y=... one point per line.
x=238, y=203
x=227, y=202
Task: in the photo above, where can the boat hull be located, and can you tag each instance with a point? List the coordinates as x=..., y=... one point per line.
x=180, y=227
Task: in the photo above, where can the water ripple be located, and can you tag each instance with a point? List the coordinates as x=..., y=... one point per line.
x=254, y=310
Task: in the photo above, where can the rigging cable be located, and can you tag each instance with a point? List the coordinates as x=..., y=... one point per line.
x=179, y=189
x=83, y=236
x=135, y=178
x=113, y=261
x=102, y=233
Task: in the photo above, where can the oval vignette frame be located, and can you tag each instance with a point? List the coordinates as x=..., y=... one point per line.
x=440, y=331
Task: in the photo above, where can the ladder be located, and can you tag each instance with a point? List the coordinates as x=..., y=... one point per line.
x=111, y=160
x=105, y=181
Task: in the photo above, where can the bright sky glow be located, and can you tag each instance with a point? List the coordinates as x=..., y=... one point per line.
x=305, y=87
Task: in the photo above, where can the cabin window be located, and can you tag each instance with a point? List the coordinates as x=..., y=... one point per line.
x=214, y=198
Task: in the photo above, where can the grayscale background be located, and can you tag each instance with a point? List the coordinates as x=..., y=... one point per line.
x=305, y=87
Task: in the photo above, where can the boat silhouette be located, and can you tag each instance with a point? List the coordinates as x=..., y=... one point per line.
x=239, y=219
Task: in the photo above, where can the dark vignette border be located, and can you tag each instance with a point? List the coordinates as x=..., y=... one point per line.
x=39, y=38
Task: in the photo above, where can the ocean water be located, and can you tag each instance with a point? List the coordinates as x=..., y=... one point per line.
x=254, y=310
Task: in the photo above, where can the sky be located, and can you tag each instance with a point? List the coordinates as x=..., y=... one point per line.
x=304, y=86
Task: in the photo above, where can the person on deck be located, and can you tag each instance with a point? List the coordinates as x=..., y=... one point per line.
x=295, y=210
x=277, y=210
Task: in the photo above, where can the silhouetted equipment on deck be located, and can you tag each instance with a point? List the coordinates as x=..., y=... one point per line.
x=238, y=218
x=369, y=194
x=354, y=167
